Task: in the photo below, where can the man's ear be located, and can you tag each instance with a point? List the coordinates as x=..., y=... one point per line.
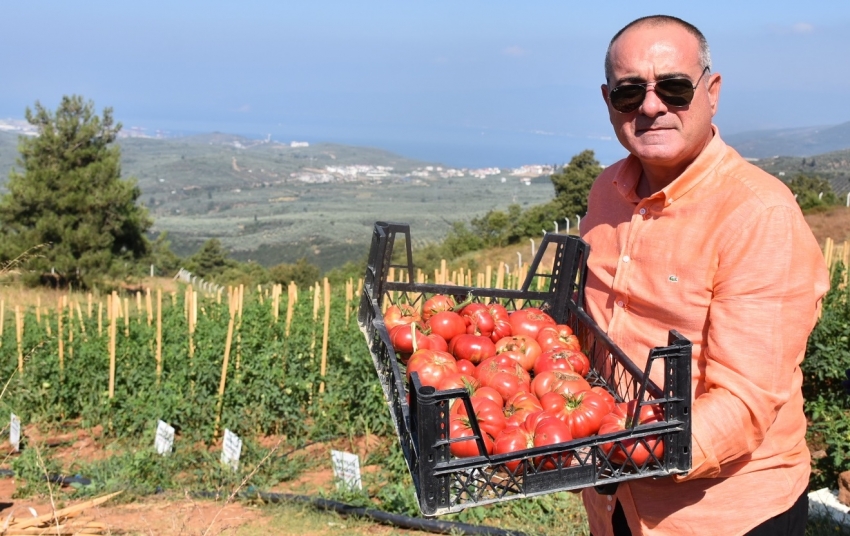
x=714, y=83
x=604, y=89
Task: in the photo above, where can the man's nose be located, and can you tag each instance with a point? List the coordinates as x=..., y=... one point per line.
x=652, y=105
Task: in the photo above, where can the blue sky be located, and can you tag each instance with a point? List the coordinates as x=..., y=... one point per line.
x=461, y=82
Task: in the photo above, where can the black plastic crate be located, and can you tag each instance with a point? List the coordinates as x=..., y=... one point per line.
x=447, y=484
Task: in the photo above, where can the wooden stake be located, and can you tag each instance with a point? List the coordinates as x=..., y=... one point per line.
x=126, y=317
x=349, y=291
x=100, y=317
x=89, y=304
x=19, y=335
x=276, y=290
x=290, y=304
x=158, y=335
x=148, y=306
x=190, y=319
x=324, y=365
x=60, y=336
x=316, y=301
x=241, y=298
x=138, y=307
x=444, y=274
x=223, y=381
x=500, y=276
x=80, y=316
x=115, y=303
x=38, y=311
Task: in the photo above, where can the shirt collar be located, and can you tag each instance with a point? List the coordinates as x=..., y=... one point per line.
x=627, y=180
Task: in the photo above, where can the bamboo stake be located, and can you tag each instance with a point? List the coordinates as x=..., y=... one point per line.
x=500, y=276
x=89, y=304
x=276, y=290
x=138, y=307
x=190, y=315
x=115, y=304
x=126, y=317
x=437, y=280
x=19, y=335
x=348, y=297
x=80, y=317
x=241, y=298
x=38, y=310
x=60, y=336
x=359, y=287
x=316, y=301
x=70, y=328
x=148, y=306
x=100, y=317
x=158, y=335
x=290, y=304
x=327, y=322
x=443, y=272
x=223, y=381
x=260, y=293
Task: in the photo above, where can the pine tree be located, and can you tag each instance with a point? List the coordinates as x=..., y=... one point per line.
x=572, y=184
x=71, y=197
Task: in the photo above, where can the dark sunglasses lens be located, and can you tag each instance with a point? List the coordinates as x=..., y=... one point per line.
x=675, y=92
x=627, y=98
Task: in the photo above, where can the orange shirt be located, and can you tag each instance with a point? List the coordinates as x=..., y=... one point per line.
x=724, y=256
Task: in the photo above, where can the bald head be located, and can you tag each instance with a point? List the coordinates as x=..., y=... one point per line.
x=658, y=21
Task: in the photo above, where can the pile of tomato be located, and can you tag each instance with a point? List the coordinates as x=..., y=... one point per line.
x=525, y=373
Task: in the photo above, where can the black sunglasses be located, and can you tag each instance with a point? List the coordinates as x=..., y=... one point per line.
x=676, y=92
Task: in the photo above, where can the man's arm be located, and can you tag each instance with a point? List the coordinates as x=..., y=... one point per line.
x=766, y=296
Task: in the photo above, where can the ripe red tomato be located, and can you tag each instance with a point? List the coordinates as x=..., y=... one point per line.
x=526, y=346
x=529, y=322
x=582, y=412
x=489, y=413
x=465, y=366
x=638, y=449
x=447, y=325
x=506, y=379
x=437, y=343
x=559, y=336
x=556, y=381
x=459, y=427
x=458, y=380
x=400, y=314
x=513, y=439
x=406, y=339
x=474, y=348
x=550, y=431
x=432, y=366
x=492, y=394
x=520, y=406
x=478, y=319
x=502, y=321
x=436, y=304
x=606, y=395
x=563, y=360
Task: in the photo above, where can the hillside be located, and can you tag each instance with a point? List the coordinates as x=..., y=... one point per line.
x=273, y=203
x=801, y=142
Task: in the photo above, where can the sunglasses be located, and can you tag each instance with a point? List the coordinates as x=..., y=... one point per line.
x=676, y=92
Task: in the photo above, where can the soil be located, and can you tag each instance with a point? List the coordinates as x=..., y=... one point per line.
x=176, y=513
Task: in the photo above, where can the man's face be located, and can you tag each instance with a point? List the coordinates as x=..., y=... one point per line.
x=658, y=134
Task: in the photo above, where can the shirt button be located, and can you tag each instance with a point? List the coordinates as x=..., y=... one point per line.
x=609, y=507
x=620, y=303
x=610, y=498
x=642, y=211
x=626, y=258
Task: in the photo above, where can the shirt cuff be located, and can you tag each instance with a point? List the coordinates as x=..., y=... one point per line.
x=703, y=462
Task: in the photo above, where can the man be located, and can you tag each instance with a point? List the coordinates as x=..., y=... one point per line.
x=686, y=235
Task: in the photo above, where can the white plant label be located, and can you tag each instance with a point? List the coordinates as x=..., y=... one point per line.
x=231, y=449
x=15, y=433
x=346, y=469
x=164, y=438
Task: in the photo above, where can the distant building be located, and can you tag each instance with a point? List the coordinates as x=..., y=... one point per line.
x=295, y=144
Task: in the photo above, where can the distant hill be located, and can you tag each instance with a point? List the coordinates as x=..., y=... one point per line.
x=806, y=141
x=272, y=203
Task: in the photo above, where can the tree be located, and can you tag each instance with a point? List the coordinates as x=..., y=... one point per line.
x=72, y=197
x=572, y=185
x=211, y=260
x=812, y=192
x=302, y=273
